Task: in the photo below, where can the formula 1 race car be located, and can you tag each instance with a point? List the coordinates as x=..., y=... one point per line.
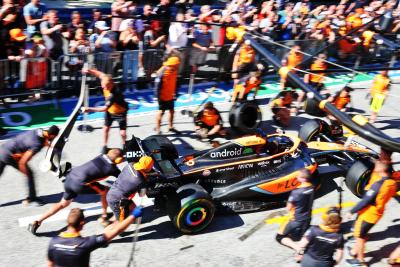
x=244, y=174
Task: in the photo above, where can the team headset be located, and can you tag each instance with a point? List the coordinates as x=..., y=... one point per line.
x=331, y=210
x=119, y=159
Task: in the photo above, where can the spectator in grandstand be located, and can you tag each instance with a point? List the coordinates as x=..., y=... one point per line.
x=8, y=21
x=163, y=13
x=202, y=43
x=76, y=22
x=129, y=38
x=36, y=48
x=177, y=37
x=120, y=8
x=52, y=35
x=102, y=40
x=96, y=16
x=34, y=14
x=16, y=44
x=147, y=17
x=80, y=44
x=154, y=37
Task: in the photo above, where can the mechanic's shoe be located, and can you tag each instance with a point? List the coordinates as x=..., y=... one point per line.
x=104, y=150
x=355, y=263
x=349, y=250
x=157, y=132
x=32, y=227
x=104, y=220
x=173, y=130
x=33, y=202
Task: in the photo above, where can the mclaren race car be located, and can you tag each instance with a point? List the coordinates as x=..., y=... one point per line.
x=244, y=174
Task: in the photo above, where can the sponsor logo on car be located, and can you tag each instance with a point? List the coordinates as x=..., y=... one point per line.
x=134, y=154
x=225, y=169
x=206, y=172
x=277, y=161
x=264, y=163
x=245, y=166
x=226, y=153
x=247, y=151
x=215, y=181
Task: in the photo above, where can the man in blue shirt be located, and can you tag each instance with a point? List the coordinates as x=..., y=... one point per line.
x=34, y=14
x=201, y=44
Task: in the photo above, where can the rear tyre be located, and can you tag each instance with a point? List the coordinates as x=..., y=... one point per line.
x=358, y=177
x=245, y=116
x=312, y=128
x=168, y=150
x=191, y=210
x=311, y=106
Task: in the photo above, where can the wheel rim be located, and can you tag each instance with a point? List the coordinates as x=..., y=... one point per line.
x=196, y=216
x=362, y=183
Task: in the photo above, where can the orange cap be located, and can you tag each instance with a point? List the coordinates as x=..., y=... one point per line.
x=145, y=163
x=172, y=61
x=17, y=35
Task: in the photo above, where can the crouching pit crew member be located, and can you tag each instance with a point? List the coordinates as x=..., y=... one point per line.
x=282, y=106
x=70, y=249
x=18, y=151
x=131, y=179
x=299, y=206
x=208, y=122
x=320, y=243
x=84, y=180
x=370, y=210
x=246, y=85
x=115, y=108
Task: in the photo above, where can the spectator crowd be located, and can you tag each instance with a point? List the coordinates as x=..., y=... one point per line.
x=131, y=27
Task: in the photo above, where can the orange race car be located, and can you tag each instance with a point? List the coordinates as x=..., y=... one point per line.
x=244, y=174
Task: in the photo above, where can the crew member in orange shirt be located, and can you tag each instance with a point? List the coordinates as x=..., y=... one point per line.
x=243, y=61
x=370, y=210
x=208, y=122
x=166, y=83
x=341, y=99
x=378, y=91
x=115, y=108
x=294, y=58
x=317, y=80
x=246, y=85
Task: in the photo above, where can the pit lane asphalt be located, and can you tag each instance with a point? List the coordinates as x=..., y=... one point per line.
x=159, y=243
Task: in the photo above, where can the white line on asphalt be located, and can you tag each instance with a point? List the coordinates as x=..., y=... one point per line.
x=88, y=211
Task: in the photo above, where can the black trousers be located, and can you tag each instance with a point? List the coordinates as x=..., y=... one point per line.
x=31, y=181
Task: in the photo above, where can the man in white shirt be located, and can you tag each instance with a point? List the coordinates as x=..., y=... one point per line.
x=178, y=33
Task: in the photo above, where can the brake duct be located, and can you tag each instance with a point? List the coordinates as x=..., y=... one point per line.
x=357, y=123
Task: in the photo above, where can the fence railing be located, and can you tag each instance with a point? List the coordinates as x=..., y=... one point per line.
x=133, y=69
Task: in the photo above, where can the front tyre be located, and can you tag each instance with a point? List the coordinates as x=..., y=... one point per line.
x=358, y=177
x=312, y=128
x=193, y=211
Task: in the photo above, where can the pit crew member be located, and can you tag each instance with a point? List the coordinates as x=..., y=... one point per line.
x=370, y=210
x=70, y=249
x=208, y=122
x=84, y=179
x=299, y=206
x=18, y=151
x=115, y=108
x=245, y=85
x=131, y=179
x=320, y=243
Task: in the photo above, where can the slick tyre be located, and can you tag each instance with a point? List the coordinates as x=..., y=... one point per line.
x=192, y=210
x=168, y=150
x=312, y=128
x=358, y=176
x=311, y=107
x=245, y=117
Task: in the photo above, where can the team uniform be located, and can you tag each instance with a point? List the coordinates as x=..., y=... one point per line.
x=370, y=209
x=117, y=108
x=341, y=102
x=123, y=190
x=316, y=80
x=300, y=217
x=247, y=84
x=166, y=86
x=246, y=56
x=208, y=118
x=12, y=151
x=323, y=242
x=379, y=89
x=294, y=59
x=73, y=250
x=83, y=179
